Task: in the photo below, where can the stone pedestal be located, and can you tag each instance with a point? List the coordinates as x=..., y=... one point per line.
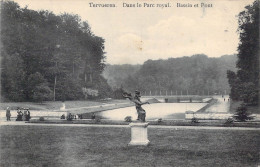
x=139, y=133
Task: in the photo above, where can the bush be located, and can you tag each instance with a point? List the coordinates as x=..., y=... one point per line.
x=159, y=120
x=194, y=120
x=128, y=119
x=229, y=121
x=242, y=114
x=97, y=119
x=41, y=118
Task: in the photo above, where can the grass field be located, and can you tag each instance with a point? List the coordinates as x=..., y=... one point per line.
x=50, y=105
x=95, y=146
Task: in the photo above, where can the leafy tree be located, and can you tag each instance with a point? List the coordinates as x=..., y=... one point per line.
x=245, y=83
x=42, y=93
x=43, y=54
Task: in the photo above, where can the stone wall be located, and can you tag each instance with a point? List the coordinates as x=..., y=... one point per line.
x=213, y=116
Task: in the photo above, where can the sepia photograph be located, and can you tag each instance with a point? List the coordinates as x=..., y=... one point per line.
x=129, y=83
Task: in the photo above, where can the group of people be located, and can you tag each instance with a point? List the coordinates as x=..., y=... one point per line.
x=23, y=116
x=225, y=98
x=71, y=116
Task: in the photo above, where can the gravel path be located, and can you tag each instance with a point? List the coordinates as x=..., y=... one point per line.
x=15, y=123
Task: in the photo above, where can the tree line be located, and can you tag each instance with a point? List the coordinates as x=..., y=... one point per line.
x=197, y=74
x=49, y=57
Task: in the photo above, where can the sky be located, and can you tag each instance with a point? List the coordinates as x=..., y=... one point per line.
x=135, y=34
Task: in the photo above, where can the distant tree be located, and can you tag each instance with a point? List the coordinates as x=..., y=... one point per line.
x=192, y=75
x=118, y=93
x=104, y=90
x=36, y=87
x=42, y=93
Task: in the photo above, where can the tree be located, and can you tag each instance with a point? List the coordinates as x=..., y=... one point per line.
x=43, y=53
x=242, y=114
x=42, y=93
x=245, y=83
x=192, y=75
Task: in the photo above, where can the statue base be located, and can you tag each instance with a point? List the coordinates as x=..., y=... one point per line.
x=139, y=135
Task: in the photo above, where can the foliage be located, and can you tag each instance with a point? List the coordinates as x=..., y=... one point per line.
x=116, y=74
x=104, y=90
x=117, y=94
x=197, y=74
x=242, y=114
x=90, y=93
x=42, y=93
x=244, y=84
x=159, y=120
x=128, y=119
x=229, y=121
x=44, y=54
x=97, y=119
x=41, y=119
x=194, y=120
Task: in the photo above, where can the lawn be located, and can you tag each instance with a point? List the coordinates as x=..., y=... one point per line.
x=55, y=105
x=105, y=146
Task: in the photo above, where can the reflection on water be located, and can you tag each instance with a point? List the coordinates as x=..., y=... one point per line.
x=154, y=111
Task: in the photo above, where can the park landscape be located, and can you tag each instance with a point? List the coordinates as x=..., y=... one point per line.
x=201, y=110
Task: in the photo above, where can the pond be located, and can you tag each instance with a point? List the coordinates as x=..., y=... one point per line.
x=154, y=111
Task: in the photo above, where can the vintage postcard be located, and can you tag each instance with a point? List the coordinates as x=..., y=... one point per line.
x=129, y=83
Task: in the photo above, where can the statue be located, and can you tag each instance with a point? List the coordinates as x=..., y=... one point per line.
x=138, y=104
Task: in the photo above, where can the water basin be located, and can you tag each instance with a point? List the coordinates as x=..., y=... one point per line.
x=154, y=111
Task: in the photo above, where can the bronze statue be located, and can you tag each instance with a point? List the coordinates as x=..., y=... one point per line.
x=138, y=104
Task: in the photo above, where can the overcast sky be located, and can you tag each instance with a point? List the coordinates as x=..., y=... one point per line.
x=134, y=35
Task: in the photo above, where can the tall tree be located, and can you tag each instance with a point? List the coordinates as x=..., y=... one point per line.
x=45, y=55
x=245, y=83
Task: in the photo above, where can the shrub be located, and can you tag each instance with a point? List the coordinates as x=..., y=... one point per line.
x=242, y=114
x=194, y=120
x=229, y=121
x=97, y=119
x=159, y=120
x=128, y=119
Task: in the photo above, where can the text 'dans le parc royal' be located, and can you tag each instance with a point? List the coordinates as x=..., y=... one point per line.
x=151, y=5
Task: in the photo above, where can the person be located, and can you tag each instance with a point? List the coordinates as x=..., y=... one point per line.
x=19, y=115
x=138, y=104
x=62, y=117
x=29, y=115
x=8, y=114
x=24, y=114
x=93, y=116
x=70, y=117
